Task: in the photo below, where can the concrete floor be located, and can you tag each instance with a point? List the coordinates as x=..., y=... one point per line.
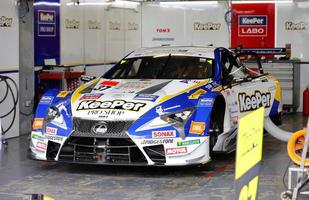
x=214, y=181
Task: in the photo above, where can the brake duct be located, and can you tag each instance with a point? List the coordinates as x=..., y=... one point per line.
x=275, y=131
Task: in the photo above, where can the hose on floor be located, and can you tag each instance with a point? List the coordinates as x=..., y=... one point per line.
x=10, y=86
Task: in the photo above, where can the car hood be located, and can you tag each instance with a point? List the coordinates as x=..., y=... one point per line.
x=125, y=99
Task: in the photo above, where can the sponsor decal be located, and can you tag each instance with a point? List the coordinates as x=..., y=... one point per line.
x=104, y=85
x=72, y=24
x=99, y=128
x=115, y=26
x=109, y=83
x=37, y=137
x=252, y=25
x=37, y=123
x=163, y=141
x=173, y=151
x=46, y=23
x=115, y=104
x=189, y=142
x=90, y=96
x=197, y=94
x=293, y=26
x=135, y=85
x=94, y=25
x=208, y=26
x=252, y=102
x=106, y=113
x=205, y=102
x=197, y=127
x=51, y=131
x=54, y=138
x=146, y=97
x=46, y=99
x=63, y=94
x=41, y=146
x=164, y=134
x=6, y=21
x=190, y=81
x=162, y=39
x=163, y=30
x=162, y=111
x=132, y=26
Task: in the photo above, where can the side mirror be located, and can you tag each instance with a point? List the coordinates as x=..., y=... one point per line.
x=86, y=78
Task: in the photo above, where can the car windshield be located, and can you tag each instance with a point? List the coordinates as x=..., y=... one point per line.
x=162, y=67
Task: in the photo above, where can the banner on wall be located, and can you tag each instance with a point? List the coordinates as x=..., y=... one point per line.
x=253, y=25
x=46, y=31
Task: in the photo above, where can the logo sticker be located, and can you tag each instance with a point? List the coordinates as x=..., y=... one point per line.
x=164, y=134
x=99, y=128
x=163, y=141
x=37, y=123
x=197, y=128
x=146, y=97
x=173, y=151
x=90, y=96
x=41, y=146
x=197, y=94
x=46, y=99
x=6, y=21
x=63, y=94
x=209, y=26
x=252, y=102
x=252, y=25
x=189, y=142
x=51, y=131
x=116, y=104
x=205, y=102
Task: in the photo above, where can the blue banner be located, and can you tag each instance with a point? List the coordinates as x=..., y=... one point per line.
x=46, y=31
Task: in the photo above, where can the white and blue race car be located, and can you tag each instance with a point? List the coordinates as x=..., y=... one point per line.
x=167, y=106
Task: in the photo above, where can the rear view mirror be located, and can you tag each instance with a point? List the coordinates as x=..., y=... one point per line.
x=86, y=78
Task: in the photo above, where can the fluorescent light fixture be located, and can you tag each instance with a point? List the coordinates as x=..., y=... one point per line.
x=262, y=1
x=45, y=3
x=188, y=2
x=117, y=2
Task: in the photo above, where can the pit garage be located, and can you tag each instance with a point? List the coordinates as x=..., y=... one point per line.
x=125, y=99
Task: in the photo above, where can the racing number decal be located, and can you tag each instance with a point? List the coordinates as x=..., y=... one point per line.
x=249, y=191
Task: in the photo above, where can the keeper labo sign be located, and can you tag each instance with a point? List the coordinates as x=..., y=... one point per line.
x=252, y=25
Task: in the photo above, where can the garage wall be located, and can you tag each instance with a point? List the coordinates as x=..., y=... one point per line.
x=293, y=27
x=194, y=23
x=9, y=59
x=108, y=31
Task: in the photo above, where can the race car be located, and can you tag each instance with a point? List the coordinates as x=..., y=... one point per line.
x=164, y=106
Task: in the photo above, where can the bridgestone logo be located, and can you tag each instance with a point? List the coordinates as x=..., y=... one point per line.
x=116, y=104
x=162, y=141
x=252, y=102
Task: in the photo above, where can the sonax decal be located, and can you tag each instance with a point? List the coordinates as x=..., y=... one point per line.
x=252, y=102
x=173, y=151
x=116, y=104
x=164, y=134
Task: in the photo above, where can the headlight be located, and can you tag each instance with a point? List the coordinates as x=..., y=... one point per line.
x=177, y=119
x=52, y=113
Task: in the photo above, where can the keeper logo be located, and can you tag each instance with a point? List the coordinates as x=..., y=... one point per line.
x=115, y=104
x=252, y=102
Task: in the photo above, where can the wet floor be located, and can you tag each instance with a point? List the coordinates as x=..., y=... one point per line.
x=213, y=181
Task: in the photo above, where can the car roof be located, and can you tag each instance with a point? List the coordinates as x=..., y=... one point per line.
x=194, y=51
